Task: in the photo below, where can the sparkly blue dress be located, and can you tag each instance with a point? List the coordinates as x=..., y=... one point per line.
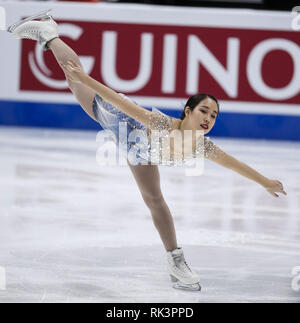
x=136, y=148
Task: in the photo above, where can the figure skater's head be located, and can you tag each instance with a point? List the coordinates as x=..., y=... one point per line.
x=200, y=112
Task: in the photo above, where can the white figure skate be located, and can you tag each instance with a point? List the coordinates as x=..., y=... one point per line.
x=181, y=275
x=42, y=31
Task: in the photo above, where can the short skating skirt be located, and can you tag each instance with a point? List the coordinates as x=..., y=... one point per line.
x=131, y=144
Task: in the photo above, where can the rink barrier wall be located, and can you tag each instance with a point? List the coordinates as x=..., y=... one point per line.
x=248, y=59
x=66, y=116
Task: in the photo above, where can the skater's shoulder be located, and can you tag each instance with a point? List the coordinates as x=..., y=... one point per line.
x=174, y=123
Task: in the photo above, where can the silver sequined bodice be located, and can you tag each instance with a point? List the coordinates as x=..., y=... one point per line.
x=143, y=145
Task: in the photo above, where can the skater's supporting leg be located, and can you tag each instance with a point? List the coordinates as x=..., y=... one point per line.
x=84, y=95
x=148, y=180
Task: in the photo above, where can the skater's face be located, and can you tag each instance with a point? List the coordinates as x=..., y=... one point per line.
x=203, y=116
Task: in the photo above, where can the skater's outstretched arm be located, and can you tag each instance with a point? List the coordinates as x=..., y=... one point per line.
x=150, y=119
x=227, y=161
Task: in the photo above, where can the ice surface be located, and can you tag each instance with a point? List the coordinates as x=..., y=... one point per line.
x=72, y=231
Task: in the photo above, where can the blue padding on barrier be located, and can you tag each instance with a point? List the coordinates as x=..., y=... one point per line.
x=48, y=115
x=257, y=126
x=238, y=125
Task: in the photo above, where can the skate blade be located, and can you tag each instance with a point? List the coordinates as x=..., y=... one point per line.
x=41, y=15
x=179, y=285
x=187, y=287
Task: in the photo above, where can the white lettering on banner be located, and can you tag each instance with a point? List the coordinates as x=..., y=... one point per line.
x=169, y=63
x=108, y=65
x=254, y=69
x=198, y=53
x=237, y=66
x=296, y=19
x=69, y=30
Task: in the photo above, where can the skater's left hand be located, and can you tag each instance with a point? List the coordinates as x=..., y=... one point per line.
x=274, y=186
x=73, y=71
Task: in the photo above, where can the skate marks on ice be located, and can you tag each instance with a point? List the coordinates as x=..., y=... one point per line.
x=111, y=275
x=72, y=231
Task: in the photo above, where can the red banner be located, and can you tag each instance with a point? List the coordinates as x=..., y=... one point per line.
x=174, y=61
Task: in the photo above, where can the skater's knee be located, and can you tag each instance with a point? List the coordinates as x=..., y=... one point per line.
x=153, y=200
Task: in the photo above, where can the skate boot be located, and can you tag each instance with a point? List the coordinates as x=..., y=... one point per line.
x=181, y=275
x=42, y=31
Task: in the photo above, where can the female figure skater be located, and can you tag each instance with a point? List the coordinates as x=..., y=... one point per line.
x=200, y=113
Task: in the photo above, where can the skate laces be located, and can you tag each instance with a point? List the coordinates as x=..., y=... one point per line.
x=31, y=34
x=179, y=260
x=34, y=32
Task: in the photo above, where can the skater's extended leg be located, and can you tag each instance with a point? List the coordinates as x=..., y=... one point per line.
x=45, y=32
x=84, y=95
x=148, y=180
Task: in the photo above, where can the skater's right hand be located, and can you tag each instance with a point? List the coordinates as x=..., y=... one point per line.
x=274, y=186
x=73, y=71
